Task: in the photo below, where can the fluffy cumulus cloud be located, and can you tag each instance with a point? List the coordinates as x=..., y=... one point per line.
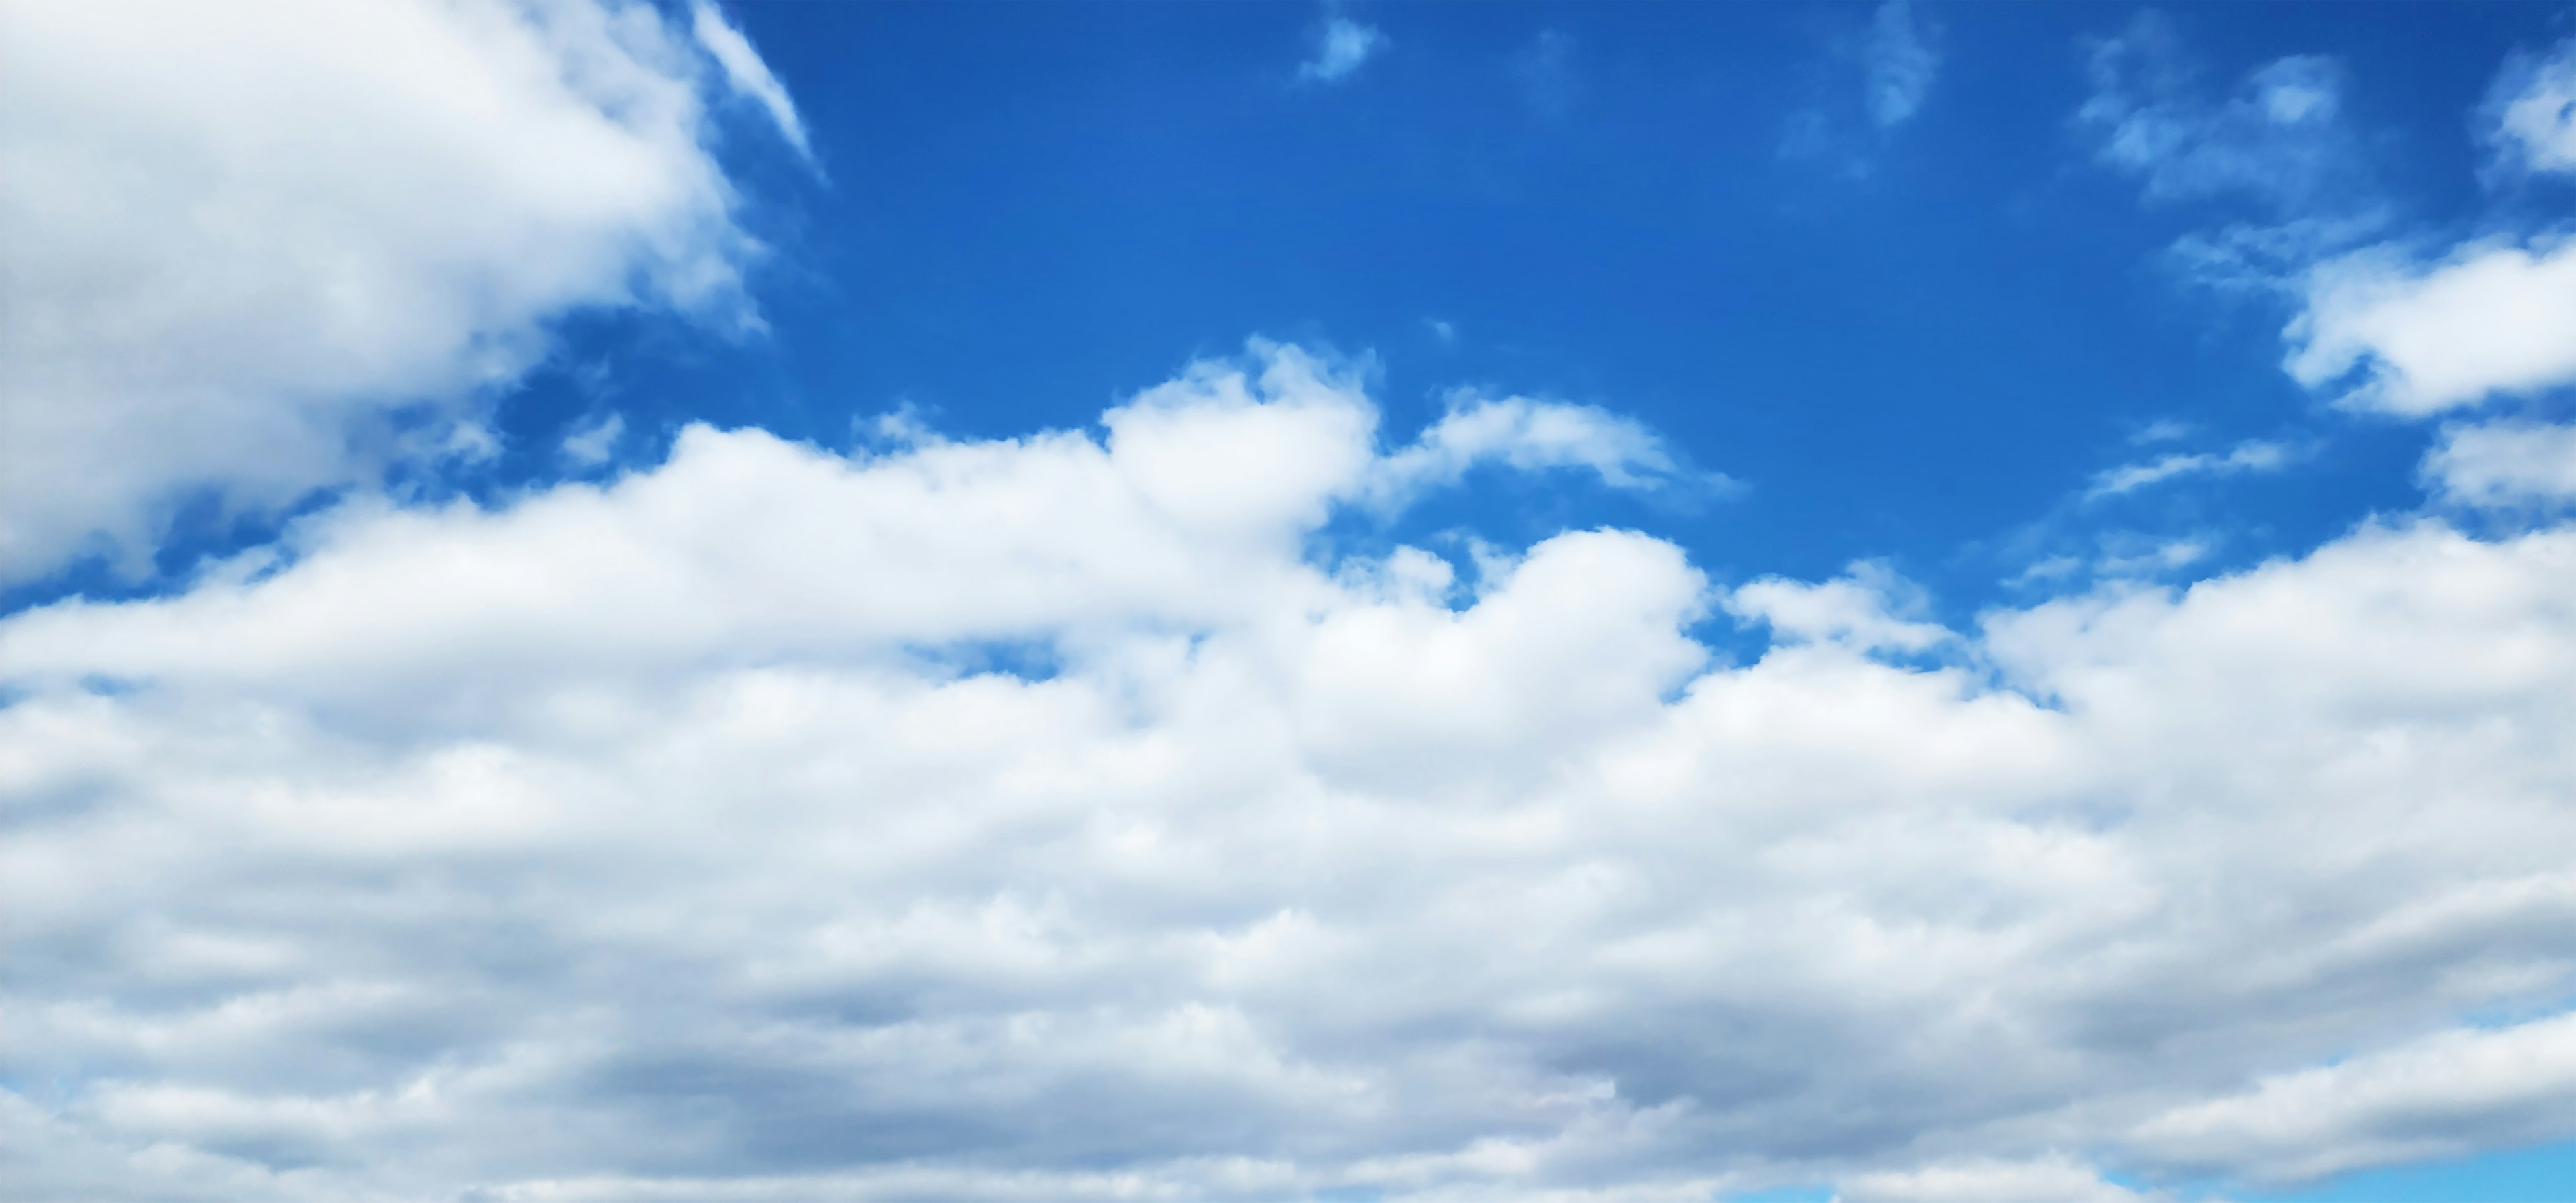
x=2397, y=331
x=1059, y=817
x=282, y=242
x=2487, y=319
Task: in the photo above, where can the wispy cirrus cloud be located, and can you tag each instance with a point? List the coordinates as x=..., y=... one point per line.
x=2278, y=136
x=1877, y=80
x=748, y=74
x=2256, y=455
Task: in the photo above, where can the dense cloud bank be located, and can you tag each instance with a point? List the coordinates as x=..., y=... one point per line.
x=678, y=837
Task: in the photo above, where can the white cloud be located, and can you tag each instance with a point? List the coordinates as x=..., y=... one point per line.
x=1342, y=47
x=1868, y=608
x=2504, y=464
x=2446, y=1095
x=1530, y=435
x=747, y=74
x=2381, y=326
x=2533, y=108
x=275, y=235
x=2491, y=317
x=2488, y=319
x=2255, y=455
x=1898, y=64
x=671, y=837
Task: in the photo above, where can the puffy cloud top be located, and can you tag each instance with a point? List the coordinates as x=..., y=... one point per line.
x=957, y=821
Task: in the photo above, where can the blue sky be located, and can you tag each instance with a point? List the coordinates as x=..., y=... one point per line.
x=1879, y=602
x=1910, y=343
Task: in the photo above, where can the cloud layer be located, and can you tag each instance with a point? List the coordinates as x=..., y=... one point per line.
x=1047, y=819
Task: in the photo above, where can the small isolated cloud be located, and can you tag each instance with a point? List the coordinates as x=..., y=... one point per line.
x=1898, y=63
x=748, y=75
x=1342, y=47
x=2412, y=338
x=2252, y=456
x=2162, y=430
x=2125, y=555
x=2504, y=464
x=1528, y=436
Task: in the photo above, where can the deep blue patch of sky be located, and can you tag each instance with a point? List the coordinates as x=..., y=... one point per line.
x=1030, y=210
x=1034, y=209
